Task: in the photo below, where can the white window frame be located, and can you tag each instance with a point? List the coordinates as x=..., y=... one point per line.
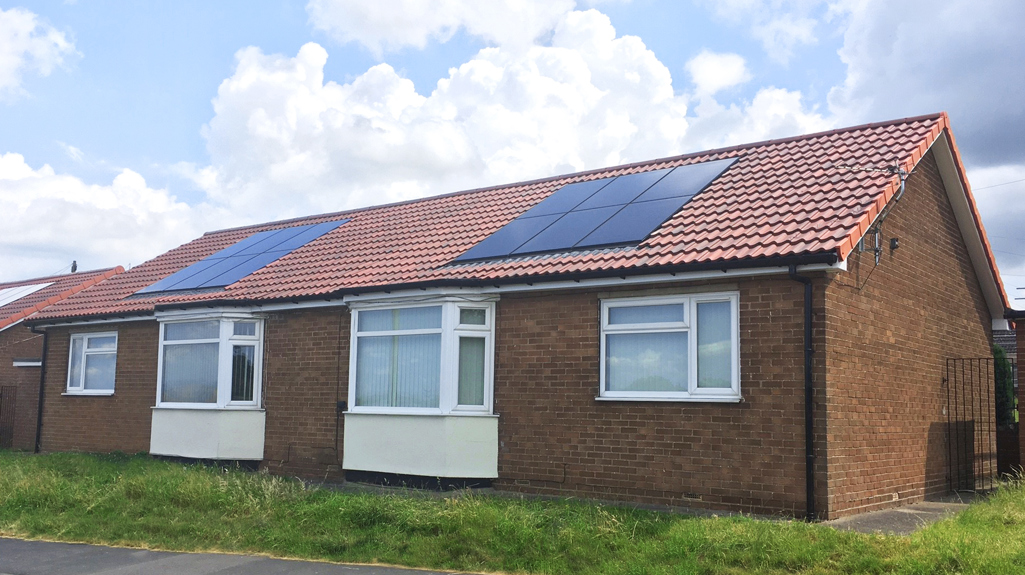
x=451, y=330
x=226, y=340
x=689, y=325
x=84, y=338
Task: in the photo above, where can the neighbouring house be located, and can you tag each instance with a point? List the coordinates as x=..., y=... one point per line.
x=1007, y=340
x=761, y=328
x=21, y=349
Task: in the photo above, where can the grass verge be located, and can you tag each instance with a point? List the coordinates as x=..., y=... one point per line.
x=140, y=502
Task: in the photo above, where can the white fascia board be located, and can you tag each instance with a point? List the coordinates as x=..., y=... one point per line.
x=239, y=312
x=661, y=278
x=539, y=285
x=970, y=232
x=87, y=322
x=461, y=293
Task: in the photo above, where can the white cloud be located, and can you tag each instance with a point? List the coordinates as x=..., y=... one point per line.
x=781, y=26
x=285, y=143
x=28, y=45
x=51, y=219
x=394, y=24
x=962, y=56
x=1000, y=195
x=712, y=72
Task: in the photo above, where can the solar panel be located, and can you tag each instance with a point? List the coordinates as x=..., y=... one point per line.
x=623, y=190
x=566, y=198
x=242, y=258
x=510, y=237
x=631, y=224
x=686, y=181
x=567, y=230
x=606, y=212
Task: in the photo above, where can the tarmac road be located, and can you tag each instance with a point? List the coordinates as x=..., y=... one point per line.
x=19, y=557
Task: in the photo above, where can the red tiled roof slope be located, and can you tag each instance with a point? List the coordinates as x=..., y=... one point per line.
x=788, y=197
x=61, y=288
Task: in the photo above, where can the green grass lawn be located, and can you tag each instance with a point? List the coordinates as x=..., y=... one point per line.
x=140, y=502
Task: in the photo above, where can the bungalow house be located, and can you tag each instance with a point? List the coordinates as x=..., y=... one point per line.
x=21, y=349
x=760, y=328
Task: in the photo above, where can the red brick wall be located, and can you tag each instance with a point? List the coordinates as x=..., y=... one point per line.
x=120, y=422
x=555, y=438
x=19, y=342
x=306, y=372
x=889, y=330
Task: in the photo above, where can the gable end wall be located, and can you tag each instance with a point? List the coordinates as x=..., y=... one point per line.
x=889, y=331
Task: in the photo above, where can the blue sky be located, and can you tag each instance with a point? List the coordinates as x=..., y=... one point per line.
x=129, y=128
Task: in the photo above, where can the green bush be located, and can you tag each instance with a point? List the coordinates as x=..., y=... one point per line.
x=1004, y=375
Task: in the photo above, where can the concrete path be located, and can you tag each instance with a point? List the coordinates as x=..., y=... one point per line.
x=19, y=557
x=904, y=520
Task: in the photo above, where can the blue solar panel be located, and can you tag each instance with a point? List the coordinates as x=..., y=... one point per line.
x=631, y=224
x=566, y=198
x=508, y=238
x=242, y=258
x=686, y=181
x=623, y=190
x=606, y=212
x=568, y=230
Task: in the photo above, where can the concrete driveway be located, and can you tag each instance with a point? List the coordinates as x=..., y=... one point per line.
x=19, y=557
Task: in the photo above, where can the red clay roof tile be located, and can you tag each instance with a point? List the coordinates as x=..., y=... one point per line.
x=782, y=198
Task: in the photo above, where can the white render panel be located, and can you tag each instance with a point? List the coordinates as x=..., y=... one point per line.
x=456, y=446
x=208, y=433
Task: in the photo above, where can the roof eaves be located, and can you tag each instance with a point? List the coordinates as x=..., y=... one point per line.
x=825, y=257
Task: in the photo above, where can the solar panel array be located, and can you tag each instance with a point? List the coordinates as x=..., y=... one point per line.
x=241, y=259
x=607, y=212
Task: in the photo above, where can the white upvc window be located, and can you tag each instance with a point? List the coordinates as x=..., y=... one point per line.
x=212, y=362
x=92, y=363
x=428, y=358
x=671, y=348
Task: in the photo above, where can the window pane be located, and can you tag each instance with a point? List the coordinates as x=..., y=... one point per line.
x=473, y=316
x=245, y=328
x=242, y=372
x=646, y=361
x=714, y=344
x=190, y=373
x=396, y=319
x=105, y=342
x=471, y=371
x=75, y=371
x=192, y=330
x=398, y=371
x=646, y=314
x=99, y=371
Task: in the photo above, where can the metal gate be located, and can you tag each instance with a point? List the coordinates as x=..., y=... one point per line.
x=8, y=395
x=971, y=424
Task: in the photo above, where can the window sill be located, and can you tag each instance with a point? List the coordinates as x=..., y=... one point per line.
x=89, y=393
x=420, y=413
x=702, y=399
x=208, y=408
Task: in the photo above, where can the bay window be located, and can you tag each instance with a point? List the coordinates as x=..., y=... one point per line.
x=431, y=358
x=91, y=363
x=673, y=348
x=210, y=362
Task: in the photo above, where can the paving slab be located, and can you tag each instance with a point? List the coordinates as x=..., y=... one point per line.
x=907, y=519
x=19, y=557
